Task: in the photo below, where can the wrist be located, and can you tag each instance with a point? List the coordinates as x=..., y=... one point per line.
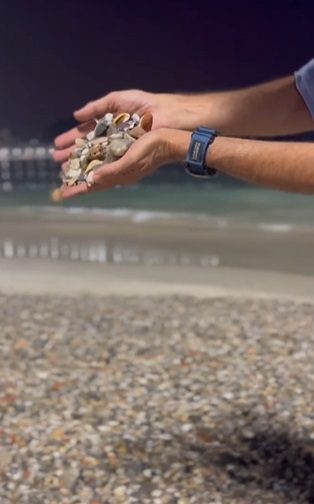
x=176, y=144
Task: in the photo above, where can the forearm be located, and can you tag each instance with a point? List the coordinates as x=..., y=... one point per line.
x=272, y=109
x=275, y=165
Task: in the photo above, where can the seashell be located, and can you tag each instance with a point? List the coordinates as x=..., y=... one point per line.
x=121, y=118
x=92, y=165
x=112, y=130
x=119, y=144
x=73, y=173
x=146, y=121
x=72, y=182
x=127, y=125
x=74, y=164
x=56, y=195
x=91, y=135
x=85, y=152
x=136, y=132
x=79, y=142
x=136, y=118
x=89, y=179
x=100, y=129
x=84, y=160
x=77, y=153
x=97, y=151
x=110, y=158
x=107, y=119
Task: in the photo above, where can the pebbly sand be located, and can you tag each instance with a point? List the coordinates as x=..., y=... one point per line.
x=171, y=399
x=164, y=384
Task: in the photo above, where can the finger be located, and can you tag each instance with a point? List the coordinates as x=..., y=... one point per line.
x=109, y=175
x=68, y=138
x=96, y=108
x=62, y=155
x=69, y=192
x=83, y=188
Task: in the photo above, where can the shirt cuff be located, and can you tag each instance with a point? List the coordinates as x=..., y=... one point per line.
x=304, y=79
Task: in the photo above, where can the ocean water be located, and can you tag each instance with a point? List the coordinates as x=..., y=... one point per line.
x=222, y=207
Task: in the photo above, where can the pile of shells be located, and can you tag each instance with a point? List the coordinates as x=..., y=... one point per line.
x=111, y=138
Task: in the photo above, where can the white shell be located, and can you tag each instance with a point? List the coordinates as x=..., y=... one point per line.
x=73, y=173
x=119, y=143
x=90, y=136
x=83, y=161
x=108, y=118
x=85, y=152
x=136, y=118
x=89, y=178
x=92, y=165
x=74, y=164
x=79, y=142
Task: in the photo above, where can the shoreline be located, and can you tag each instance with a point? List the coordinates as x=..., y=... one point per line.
x=166, y=242
x=62, y=278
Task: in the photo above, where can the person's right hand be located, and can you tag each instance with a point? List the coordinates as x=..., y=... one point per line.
x=168, y=110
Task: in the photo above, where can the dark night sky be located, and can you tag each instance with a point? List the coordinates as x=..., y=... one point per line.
x=57, y=55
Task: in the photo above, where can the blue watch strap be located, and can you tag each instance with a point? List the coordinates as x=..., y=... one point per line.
x=195, y=163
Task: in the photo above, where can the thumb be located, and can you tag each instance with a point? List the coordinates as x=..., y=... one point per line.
x=95, y=108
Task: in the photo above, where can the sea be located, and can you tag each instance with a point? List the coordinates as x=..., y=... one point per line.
x=221, y=206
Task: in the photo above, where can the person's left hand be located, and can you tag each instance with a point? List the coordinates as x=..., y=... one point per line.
x=149, y=152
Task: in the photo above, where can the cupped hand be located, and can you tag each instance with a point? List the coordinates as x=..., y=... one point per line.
x=148, y=153
x=168, y=110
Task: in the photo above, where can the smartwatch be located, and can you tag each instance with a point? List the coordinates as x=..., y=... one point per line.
x=195, y=164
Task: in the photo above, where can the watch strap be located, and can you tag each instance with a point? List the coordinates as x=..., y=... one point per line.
x=195, y=163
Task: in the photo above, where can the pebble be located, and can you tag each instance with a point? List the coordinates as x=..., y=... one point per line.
x=139, y=400
x=5, y=458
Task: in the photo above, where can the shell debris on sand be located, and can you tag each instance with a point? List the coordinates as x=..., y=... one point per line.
x=146, y=400
x=111, y=138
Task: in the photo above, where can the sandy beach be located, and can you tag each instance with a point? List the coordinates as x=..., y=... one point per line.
x=160, y=379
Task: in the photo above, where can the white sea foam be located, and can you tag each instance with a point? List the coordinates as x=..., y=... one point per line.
x=276, y=227
x=143, y=216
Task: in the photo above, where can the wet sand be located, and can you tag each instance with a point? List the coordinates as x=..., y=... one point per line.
x=186, y=242
x=69, y=254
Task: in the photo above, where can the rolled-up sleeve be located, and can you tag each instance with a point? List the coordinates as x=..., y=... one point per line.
x=304, y=78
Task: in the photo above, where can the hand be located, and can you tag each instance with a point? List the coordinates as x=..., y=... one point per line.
x=151, y=151
x=168, y=110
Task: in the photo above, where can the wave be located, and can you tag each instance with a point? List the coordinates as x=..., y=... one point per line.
x=143, y=216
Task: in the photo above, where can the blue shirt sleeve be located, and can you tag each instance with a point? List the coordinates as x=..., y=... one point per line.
x=304, y=78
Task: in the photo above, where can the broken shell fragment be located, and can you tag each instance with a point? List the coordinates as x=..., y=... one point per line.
x=92, y=165
x=100, y=129
x=119, y=143
x=127, y=125
x=84, y=160
x=107, y=119
x=91, y=135
x=136, y=118
x=89, y=179
x=102, y=124
x=85, y=152
x=136, y=132
x=79, y=142
x=74, y=164
x=112, y=129
x=77, y=153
